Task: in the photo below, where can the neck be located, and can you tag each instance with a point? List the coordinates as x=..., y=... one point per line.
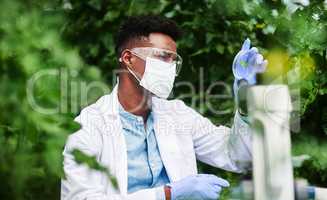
x=133, y=97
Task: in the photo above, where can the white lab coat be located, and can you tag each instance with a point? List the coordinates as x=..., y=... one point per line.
x=182, y=135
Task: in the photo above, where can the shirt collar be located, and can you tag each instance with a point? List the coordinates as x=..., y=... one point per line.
x=130, y=116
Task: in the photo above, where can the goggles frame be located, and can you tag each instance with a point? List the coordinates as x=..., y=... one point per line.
x=160, y=54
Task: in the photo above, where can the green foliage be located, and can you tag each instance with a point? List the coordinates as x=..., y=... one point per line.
x=314, y=169
x=75, y=39
x=33, y=126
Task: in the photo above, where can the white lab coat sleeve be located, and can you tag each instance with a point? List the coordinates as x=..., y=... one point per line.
x=83, y=183
x=220, y=146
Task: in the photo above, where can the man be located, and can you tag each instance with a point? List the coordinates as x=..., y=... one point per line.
x=148, y=143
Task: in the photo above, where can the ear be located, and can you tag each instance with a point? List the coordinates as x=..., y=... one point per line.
x=126, y=57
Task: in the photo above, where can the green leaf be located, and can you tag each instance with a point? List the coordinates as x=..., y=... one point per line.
x=91, y=162
x=111, y=15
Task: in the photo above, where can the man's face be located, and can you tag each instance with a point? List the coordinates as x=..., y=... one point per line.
x=157, y=40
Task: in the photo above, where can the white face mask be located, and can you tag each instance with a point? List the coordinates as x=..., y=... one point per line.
x=158, y=77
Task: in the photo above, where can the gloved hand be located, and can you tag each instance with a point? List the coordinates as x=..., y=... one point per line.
x=247, y=63
x=198, y=187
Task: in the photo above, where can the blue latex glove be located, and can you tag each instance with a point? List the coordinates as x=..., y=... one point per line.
x=247, y=63
x=198, y=187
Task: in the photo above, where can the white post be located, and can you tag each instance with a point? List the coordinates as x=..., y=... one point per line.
x=320, y=193
x=269, y=110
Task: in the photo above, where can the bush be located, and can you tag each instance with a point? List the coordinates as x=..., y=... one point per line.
x=75, y=39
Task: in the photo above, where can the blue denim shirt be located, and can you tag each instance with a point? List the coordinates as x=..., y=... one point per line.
x=145, y=167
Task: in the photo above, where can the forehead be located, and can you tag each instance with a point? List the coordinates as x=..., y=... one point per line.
x=162, y=41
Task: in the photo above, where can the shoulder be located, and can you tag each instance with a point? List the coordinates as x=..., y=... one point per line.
x=91, y=120
x=92, y=115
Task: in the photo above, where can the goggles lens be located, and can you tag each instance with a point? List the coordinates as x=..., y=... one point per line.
x=160, y=54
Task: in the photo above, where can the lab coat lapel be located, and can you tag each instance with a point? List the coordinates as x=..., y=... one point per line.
x=166, y=139
x=119, y=151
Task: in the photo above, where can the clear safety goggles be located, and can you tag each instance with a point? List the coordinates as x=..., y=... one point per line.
x=160, y=54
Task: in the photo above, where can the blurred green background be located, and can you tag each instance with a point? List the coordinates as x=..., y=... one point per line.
x=50, y=51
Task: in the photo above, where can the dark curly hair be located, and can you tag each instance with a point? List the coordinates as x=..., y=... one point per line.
x=139, y=27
